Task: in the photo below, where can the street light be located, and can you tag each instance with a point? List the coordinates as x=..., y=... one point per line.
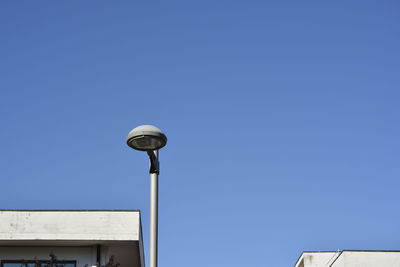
x=150, y=139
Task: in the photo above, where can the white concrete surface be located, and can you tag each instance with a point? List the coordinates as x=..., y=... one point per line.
x=69, y=225
x=350, y=258
x=316, y=259
x=72, y=236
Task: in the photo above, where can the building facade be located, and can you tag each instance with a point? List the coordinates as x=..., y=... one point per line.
x=43, y=238
x=350, y=258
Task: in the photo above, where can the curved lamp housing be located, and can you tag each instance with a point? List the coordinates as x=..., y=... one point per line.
x=146, y=138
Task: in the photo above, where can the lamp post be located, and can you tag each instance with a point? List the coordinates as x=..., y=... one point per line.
x=150, y=139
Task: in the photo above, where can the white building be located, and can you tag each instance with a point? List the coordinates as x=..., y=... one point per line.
x=350, y=258
x=67, y=238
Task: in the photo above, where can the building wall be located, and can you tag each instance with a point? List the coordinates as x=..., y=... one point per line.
x=119, y=251
x=318, y=259
x=69, y=225
x=72, y=235
x=368, y=259
x=350, y=259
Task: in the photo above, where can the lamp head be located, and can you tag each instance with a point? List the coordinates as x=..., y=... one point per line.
x=146, y=138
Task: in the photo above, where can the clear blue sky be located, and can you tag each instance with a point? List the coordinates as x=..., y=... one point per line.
x=282, y=119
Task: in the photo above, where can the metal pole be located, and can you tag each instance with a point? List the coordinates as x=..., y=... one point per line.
x=154, y=215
